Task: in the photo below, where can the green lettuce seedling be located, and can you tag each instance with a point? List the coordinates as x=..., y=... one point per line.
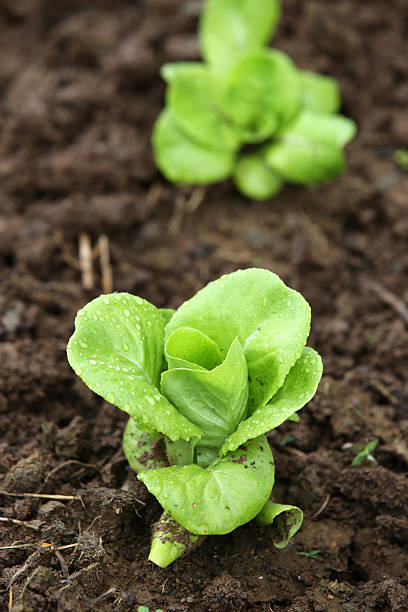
x=203, y=385
x=245, y=93
x=312, y=554
x=365, y=453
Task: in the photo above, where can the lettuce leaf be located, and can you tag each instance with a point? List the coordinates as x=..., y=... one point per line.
x=215, y=401
x=117, y=350
x=270, y=320
x=262, y=93
x=219, y=498
x=299, y=387
x=183, y=160
x=142, y=449
x=320, y=93
x=310, y=149
x=302, y=160
x=254, y=178
x=190, y=348
x=286, y=521
x=325, y=128
x=194, y=99
x=232, y=28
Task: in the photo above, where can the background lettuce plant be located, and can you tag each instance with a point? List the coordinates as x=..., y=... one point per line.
x=247, y=94
x=203, y=385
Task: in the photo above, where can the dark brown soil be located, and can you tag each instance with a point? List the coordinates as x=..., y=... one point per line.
x=79, y=91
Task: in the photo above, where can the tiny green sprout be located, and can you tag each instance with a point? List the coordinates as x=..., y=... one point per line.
x=312, y=554
x=246, y=111
x=203, y=386
x=146, y=609
x=401, y=158
x=287, y=439
x=365, y=453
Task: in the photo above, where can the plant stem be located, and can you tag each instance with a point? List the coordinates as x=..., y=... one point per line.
x=170, y=541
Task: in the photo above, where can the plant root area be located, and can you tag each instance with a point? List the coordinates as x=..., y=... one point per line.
x=83, y=210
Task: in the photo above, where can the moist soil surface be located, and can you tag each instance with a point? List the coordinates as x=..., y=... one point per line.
x=79, y=92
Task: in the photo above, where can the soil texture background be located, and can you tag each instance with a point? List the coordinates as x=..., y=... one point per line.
x=79, y=92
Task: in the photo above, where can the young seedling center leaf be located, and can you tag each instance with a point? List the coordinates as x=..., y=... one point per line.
x=254, y=178
x=215, y=401
x=214, y=500
x=262, y=93
x=320, y=93
x=117, y=350
x=190, y=348
x=299, y=387
x=194, y=98
x=270, y=320
x=232, y=28
x=182, y=160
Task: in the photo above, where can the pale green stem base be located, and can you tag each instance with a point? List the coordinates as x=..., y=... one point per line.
x=170, y=541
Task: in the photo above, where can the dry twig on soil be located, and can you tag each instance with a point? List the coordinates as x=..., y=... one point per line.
x=104, y=260
x=30, y=524
x=389, y=298
x=86, y=261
